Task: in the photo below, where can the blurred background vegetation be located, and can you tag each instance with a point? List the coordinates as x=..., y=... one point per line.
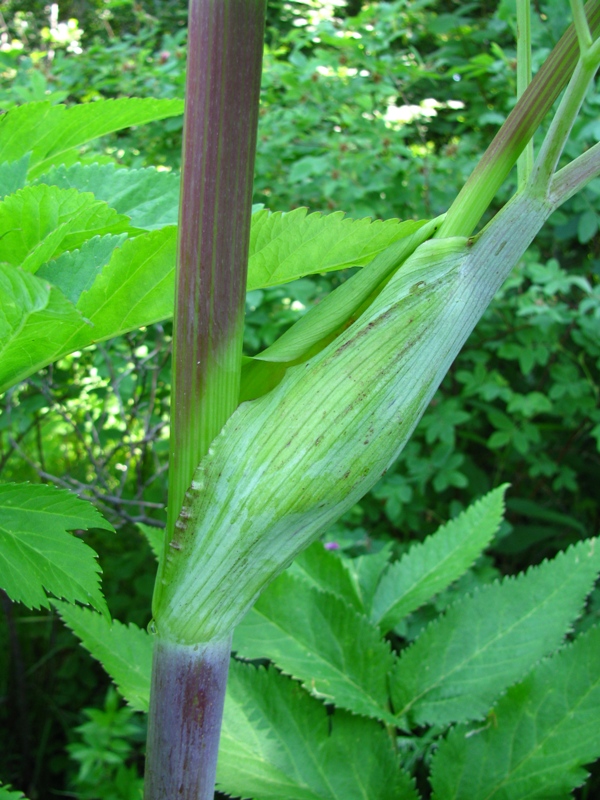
x=374, y=109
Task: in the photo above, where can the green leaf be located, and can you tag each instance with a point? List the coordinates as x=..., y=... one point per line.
x=429, y=567
x=136, y=286
x=286, y=246
x=50, y=131
x=278, y=742
x=36, y=322
x=37, y=555
x=536, y=740
x=7, y=793
x=40, y=222
x=337, y=654
x=125, y=651
x=75, y=272
x=155, y=538
x=326, y=571
x=366, y=572
x=148, y=197
x=13, y=175
x=484, y=643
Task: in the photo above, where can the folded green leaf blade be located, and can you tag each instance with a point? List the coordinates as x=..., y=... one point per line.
x=537, y=739
x=462, y=662
x=125, y=651
x=148, y=197
x=430, y=566
x=277, y=742
x=317, y=638
x=50, y=131
x=37, y=555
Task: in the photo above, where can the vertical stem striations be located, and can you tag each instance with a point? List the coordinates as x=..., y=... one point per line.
x=188, y=687
x=225, y=42
x=225, y=46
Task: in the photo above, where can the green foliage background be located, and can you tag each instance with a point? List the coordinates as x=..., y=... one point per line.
x=378, y=111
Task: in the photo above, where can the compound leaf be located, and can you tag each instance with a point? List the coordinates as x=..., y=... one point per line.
x=125, y=651
x=326, y=571
x=148, y=197
x=537, y=739
x=430, y=566
x=38, y=223
x=278, y=742
x=50, y=131
x=336, y=653
x=484, y=643
x=38, y=556
x=286, y=246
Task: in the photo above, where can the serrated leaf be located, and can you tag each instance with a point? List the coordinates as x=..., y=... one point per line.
x=13, y=175
x=286, y=246
x=50, y=131
x=38, y=223
x=125, y=651
x=37, y=555
x=463, y=661
x=430, y=566
x=326, y=571
x=148, y=197
x=277, y=742
x=38, y=324
x=365, y=572
x=136, y=286
x=537, y=739
x=317, y=638
x=75, y=272
x=36, y=320
x=155, y=538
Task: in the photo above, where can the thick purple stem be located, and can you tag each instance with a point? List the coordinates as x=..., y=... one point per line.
x=188, y=692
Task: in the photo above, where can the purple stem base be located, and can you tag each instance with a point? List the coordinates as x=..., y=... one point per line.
x=186, y=709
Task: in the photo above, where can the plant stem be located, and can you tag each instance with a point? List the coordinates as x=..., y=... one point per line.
x=525, y=160
x=225, y=46
x=520, y=125
x=188, y=691
x=571, y=179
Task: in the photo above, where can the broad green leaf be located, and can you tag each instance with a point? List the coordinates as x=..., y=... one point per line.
x=148, y=197
x=36, y=320
x=277, y=742
x=336, y=653
x=37, y=555
x=40, y=222
x=38, y=324
x=432, y=565
x=286, y=246
x=13, y=175
x=7, y=793
x=75, y=272
x=136, y=286
x=50, y=131
x=326, y=571
x=536, y=740
x=463, y=661
x=125, y=651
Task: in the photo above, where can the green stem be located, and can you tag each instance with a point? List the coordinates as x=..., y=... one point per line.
x=584, y=35
x=571, y=179
x=496, y=163
x=525, y=160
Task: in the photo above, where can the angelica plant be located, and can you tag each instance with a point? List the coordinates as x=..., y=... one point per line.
x=267, y=452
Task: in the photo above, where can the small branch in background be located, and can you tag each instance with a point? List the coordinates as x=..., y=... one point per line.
x=524, y=72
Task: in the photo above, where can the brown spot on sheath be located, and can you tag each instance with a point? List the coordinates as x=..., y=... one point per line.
x=500, y=249
x=363, y=331
x=345, y=475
